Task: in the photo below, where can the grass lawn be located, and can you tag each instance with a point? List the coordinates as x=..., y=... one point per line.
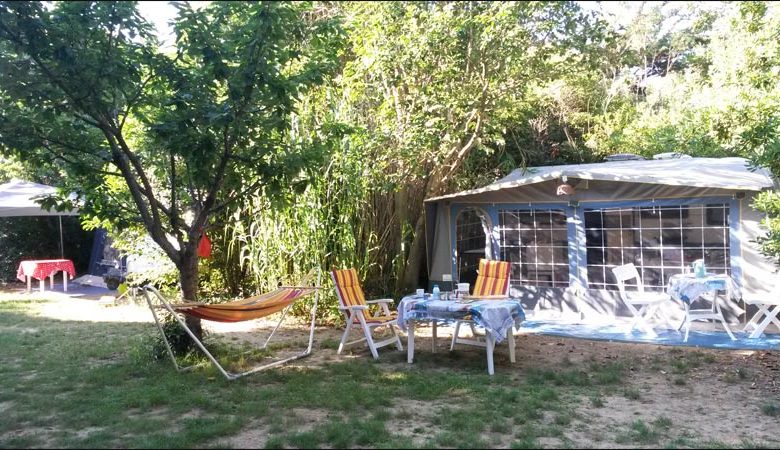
x=87, y=385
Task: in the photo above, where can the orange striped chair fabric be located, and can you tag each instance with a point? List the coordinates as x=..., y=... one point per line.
x=351, y=293
x=493, y=278
x=349, y=289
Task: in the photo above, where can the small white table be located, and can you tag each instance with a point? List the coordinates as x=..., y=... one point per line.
x=498, y=317
x=687, y=288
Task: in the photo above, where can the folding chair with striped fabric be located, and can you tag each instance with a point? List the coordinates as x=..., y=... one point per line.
x=353, y=304
x=492, y=283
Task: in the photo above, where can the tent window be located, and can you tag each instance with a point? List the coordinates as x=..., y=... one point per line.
x=472, y=242
x=660, y=241
x=537, y=245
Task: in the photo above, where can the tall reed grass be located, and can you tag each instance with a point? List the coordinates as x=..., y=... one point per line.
x=345, y=218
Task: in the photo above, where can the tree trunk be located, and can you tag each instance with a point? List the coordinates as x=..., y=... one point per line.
x=188, y=273
x=416, y=255
x=400, y=199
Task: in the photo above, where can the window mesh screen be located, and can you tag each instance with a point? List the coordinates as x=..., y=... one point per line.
x=536, y=244
x=471, y=242
x=660, y=241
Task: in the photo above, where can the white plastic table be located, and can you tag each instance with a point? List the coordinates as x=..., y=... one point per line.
x=498, y=317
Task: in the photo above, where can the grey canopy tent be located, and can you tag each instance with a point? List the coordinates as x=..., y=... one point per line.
x=18, y=199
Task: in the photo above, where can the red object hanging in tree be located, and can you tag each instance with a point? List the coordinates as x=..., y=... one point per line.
x=204, y=248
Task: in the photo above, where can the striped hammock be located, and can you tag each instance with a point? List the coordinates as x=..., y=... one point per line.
x=246, y=309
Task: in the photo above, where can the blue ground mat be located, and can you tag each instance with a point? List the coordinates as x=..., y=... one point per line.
x=620, y=333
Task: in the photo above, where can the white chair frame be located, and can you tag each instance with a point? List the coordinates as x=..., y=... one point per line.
x=647, y=302
x=356, y=315
x=768, y=310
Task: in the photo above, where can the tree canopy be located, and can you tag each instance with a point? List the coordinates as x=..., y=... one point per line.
x=165, y=140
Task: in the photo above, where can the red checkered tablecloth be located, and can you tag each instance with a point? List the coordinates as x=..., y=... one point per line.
x=42, y=269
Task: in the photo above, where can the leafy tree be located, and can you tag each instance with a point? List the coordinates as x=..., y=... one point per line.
x=433, y=80
x=164, y=140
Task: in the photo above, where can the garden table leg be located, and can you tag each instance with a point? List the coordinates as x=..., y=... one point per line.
x=410, y=342
x=433, y=345
x=65, y=280
x=43, y=283
x=510, y=337
x=490, y=344
x=51, y=281
x=29, y=283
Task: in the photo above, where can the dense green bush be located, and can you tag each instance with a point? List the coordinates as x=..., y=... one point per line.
x=181, y=344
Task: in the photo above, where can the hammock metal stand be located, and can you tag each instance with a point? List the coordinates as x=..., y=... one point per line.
x=150, y=294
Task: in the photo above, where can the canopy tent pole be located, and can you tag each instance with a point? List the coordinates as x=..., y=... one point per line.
x=62, y=248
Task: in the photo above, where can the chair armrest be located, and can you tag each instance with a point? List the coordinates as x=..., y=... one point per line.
x=381, y=300
x=354, y=307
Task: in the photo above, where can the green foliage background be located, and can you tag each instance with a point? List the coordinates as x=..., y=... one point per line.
x=431, y=97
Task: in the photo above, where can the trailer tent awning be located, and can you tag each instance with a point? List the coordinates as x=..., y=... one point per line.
x=722, y=173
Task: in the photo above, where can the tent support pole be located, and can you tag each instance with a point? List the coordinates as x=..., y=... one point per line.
x=62, y=247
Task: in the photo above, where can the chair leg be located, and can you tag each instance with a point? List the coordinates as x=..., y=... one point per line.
x=369, y=338
x=398, y=344
x=410, y=342
x=728, y=330
x=771, y=316
x=636, y=313
x=753, y=322
x=649, y=313
x=345, y=336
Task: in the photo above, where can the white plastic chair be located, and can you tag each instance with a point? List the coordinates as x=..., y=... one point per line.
x=646, y=302
x=493, y=281
x=768, y=309
x=353, y=304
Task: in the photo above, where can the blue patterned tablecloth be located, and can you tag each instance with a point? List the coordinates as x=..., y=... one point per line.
x=496, y=316
x=688, y=287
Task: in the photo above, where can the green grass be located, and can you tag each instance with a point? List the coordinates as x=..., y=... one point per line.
x=632, y=394
x=771, y=409
x=96, y=385
x=639, y=432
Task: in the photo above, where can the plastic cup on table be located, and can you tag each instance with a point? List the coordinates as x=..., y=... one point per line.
x=420, y=293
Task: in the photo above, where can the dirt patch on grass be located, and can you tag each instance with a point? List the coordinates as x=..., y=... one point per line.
x=677, y=396
x=257, y=434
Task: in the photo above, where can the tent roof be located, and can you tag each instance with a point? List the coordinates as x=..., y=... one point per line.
x=17, y=198
x=722, y=173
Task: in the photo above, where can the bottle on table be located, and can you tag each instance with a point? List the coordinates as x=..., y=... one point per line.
x=435, y=292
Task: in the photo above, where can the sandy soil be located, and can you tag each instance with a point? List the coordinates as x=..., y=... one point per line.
x=718, y=400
